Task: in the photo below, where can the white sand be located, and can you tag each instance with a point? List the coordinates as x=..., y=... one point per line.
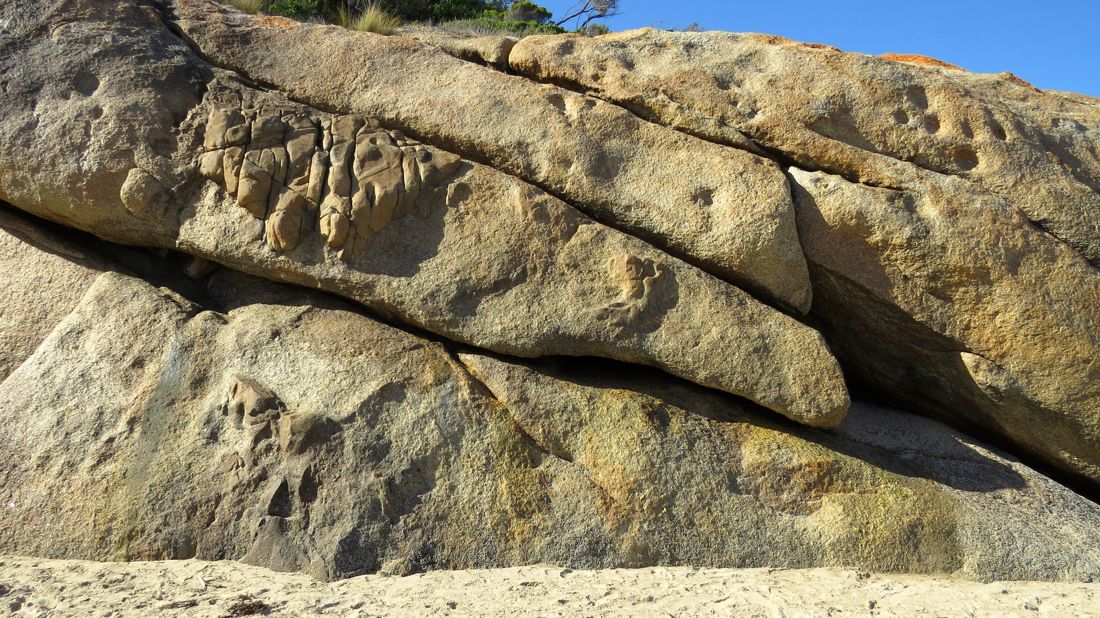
x=34, y=587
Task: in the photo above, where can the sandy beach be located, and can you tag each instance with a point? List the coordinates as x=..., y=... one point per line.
x=35, y=587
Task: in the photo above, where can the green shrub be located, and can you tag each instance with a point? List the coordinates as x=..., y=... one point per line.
x=529, y=11
x=295, y=9
x=493, y=24
x=449, y=10
x=516, y=18
x=594, y=30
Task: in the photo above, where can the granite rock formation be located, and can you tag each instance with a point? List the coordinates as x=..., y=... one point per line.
x=342, y=303
x=952, y=225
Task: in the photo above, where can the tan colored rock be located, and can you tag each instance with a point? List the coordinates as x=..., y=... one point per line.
x=989, y=320
x=958, y=277
x=490, y=50
x=332, y=201
x=726, y=210
x=43, y=279
x=415, y=233
x=282, y=428
x=862, y=117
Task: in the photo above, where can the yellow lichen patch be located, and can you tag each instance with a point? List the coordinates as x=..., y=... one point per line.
x=899, y=527
x=893, y=522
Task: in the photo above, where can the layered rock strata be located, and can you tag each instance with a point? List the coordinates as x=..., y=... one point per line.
x=728, y=211
x=565, y=303
x=953, y=229
x=250, y=179
x=281, y=427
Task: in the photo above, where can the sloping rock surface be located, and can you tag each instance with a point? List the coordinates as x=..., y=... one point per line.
x=283, y=428
x=252, y=180
x=560, y=322
x=953, y=229
x=730, y=211
x=869, y=119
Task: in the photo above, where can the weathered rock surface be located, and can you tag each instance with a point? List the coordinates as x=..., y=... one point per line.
x=251, y=180
x=989, y=321
x=961, y=275
x=42, y=281
x=489, y=50
x=866, y=118
x=729, y=211
x=573, y=274
x=285, y=429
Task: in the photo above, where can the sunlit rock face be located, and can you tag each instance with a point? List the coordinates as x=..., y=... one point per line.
x=342, y=303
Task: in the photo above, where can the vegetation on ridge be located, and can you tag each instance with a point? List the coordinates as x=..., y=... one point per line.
x=372, y=19
x=513, y=17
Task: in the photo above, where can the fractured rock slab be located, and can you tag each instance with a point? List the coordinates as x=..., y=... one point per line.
x=727, y=210
x=866, y=118
x=953, y=234
x=332, y=201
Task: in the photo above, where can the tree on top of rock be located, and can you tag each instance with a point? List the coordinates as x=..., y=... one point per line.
x=586, y=12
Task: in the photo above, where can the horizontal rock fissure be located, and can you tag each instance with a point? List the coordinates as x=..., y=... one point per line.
x=147, y=264
x=161, y=268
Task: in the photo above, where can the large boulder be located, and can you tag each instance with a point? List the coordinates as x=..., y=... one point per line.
x=952, y=222
x=284, y=428
x=870, y=119
x=727, y=210
x=390, y=310
x=217, y=168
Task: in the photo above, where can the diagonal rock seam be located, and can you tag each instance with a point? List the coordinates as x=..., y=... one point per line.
x=708, y=259
x=153, y=268
x=761, y=295
x=148, y=198
x=758, y=145
x=301, y=433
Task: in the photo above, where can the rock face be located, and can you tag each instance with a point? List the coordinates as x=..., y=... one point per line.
x=953, y=229
x=283, y=428
x=485, y=259
x=728, y=210
x=869, y=119
x=559, y=323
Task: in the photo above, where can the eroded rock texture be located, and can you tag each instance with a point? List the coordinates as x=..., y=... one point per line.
x=564, y=317
x=953, y=234
x=866, y=118
x=281, y=427
x=727, y=210
x=294, y=171
x=485, y=258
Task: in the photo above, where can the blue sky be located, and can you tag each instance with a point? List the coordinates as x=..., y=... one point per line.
x=1052, y=44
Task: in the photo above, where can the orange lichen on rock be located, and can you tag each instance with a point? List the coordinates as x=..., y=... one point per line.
x=919, y=59
x=1016, y=80
x=772, y=39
